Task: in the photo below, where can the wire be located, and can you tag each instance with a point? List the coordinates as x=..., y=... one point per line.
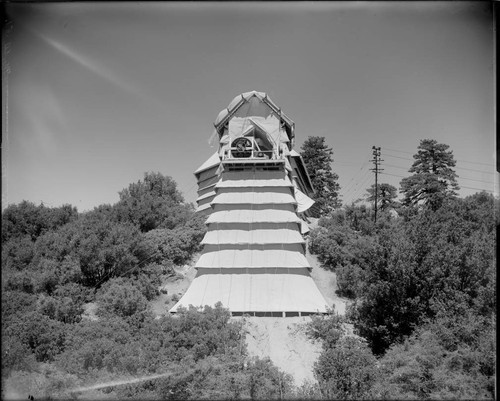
x=478, y=171
x=471, y=179
x=458, y=168
x=392, y=165
x=460, y=160
x=352, y=181
x=394, y=175
x=359, y=182
x=395, y=150
x=397, y=157
x=479, y=189
x=362, y=187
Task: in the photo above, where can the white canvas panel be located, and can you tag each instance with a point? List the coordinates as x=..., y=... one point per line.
x=238, y=126
x=270, y=236
x=254, y=226
x=255, y=293
x=228, y=258
x=304, y=227
x=210, y=181
x=295, y=247
x=204, y=207
x=206, y=190
x=209, y=194
x=290, y=207
x=207, y=174
x=239, y=179
x=244, y=197
x=253, y=216
x=210, y=162
x=303, y=201
x=262, y=190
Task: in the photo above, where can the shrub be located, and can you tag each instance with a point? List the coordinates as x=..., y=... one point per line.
x=63, y=309
x=328, y=329
x=120, y=297
x=347, y=370
x=349, y=279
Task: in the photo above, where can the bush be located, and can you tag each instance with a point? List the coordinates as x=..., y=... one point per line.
x=267, y=381
x=349, y=279
x=63, y=309
x=347, y=370
x=19, y=281
x=329, y=329
x=44, y=336
x=16, y=356
x=119, y=296
x=16, y=303
x=17, y=253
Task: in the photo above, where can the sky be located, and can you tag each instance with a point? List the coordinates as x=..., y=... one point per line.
x=96, y=94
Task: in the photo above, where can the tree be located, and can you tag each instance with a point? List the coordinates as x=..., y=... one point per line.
x=386, y=195
x=433, y=179
x=119, y=296
x=436, y=363
x=153, y=203
x=346, y=371
x=436, y=261
x=28, y=219
x=176, y=245
x=318, y=159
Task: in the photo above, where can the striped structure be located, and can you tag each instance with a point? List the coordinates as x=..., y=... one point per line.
x=254, y=193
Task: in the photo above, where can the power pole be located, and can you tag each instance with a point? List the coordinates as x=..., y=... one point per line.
x=376, y=161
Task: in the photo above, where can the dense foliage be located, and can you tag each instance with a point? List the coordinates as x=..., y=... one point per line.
x=433, y=178
x=421, y=284
x=318, y=158
x=385, y=195
x=55, y=261
x=422, y=287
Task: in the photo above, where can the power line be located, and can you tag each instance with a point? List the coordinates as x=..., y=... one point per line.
x=394, y=175
x=397, y=157
x=480, y=189
x=459, y=177
x=361, y=187
x=478, y=171
x=354, y=190
x=471, y=179
x=392, y=165
x=395, y=150
x=460, y=160
x=458, y=168
x=352, y=180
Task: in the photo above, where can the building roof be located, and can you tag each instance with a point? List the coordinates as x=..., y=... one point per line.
x=249, y=104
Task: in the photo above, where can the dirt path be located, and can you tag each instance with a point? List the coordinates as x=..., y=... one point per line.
x=284, y=341
x=175, y=287
x=327, y=284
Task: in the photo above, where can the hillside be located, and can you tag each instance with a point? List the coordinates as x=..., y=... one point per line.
x=283, y=340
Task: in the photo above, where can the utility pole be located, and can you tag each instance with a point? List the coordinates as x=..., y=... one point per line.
x=376, y=161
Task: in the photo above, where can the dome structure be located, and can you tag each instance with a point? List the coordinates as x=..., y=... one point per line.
x=254, y=191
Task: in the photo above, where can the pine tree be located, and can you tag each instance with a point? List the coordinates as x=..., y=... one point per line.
x=318, y=158
x=434, y=179
x=386, y=195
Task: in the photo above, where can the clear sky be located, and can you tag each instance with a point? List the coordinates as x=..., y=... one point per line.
x=96, y=94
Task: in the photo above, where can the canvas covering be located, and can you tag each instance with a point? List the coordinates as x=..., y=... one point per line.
x=257, y=198
x=253, y=216
x=269, y=236
x=253, y=258
x=228, y=258
x=255, y=292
